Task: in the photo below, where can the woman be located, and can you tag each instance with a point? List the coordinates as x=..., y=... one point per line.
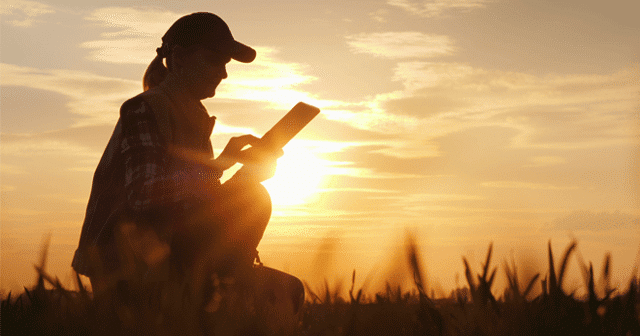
x=156, y=195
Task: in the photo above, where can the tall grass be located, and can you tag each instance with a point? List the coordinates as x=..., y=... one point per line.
x=475, y=309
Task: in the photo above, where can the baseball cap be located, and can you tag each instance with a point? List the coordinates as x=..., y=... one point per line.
x=210, y=31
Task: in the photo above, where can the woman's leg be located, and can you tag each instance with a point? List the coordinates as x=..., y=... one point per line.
x=226, y=232
x=245, y=212
x=220, y=239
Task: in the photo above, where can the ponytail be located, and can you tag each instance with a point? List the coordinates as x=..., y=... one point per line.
x=155, y=74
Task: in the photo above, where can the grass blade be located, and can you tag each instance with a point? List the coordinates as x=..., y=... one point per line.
x=530, y=285
x=565, y=260
x=487, y=261
x=467, y=273
x=553, y=284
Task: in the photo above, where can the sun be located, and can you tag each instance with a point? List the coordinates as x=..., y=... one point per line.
x=298, y=176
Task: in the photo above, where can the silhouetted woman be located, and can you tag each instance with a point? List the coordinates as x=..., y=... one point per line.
x=156, y=198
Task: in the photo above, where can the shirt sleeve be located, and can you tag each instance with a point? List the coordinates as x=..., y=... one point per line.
x=150, y=181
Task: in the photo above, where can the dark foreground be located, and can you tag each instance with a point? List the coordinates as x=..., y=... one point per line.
x=472, y=310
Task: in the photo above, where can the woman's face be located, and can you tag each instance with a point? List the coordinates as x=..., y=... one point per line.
x=202, y=71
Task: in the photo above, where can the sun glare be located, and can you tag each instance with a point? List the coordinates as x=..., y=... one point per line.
x=297, y=177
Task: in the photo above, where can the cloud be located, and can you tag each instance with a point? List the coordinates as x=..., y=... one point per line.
x=428, y=205
x=409, y=147
x=426, y=105
x=475, y=151
x=398, y=45
x=82, y=144
x=90, y=136
x=398, y=135
x=270, y=80
x=523, y=185
x=23, y=12
x=7, y=188
x=420, y=74
x=431, y=198
x=379, y=15
x=95, y=99
x=378, y=160
x=372, y=119
x=32, y=146
x=545, y=161
x=137, y=34
x=597, y=221
x=433, y=8
x=348, y=169
x=549, y=90
x=31, y=110
x=553, y=111
x=48, y=161
x=11, y=169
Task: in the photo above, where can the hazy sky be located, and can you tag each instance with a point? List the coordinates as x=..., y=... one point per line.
x=462, y=121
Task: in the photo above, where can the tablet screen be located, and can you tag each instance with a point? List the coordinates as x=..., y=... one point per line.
x=285, y=129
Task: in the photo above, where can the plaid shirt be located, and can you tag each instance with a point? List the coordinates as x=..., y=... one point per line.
x=154, y=179
x=142, y=177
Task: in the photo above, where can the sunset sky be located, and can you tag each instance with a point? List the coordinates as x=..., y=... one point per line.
x=463, y=122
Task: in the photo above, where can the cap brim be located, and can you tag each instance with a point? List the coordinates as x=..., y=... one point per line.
x=242, y=53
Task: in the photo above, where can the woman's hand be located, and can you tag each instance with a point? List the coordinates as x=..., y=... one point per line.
x=258, y=164
x=232, y=152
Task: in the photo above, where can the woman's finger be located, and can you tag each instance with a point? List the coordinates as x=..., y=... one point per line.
x=259, y=156
x=241, y=141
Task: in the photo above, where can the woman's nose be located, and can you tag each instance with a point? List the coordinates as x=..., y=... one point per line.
x=224, y=72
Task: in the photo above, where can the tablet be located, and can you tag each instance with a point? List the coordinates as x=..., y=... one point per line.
x=285, y=129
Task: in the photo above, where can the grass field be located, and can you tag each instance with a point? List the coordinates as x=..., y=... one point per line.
x=475, y=309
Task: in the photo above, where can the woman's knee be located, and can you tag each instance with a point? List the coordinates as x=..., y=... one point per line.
x=246, y=212
x=243, y=197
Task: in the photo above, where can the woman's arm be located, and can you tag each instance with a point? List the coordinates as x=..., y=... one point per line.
x=150, y=182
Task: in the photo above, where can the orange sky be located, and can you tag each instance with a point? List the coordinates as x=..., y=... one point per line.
x=464, y=122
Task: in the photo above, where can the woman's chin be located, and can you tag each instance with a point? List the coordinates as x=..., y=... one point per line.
x=209, y=94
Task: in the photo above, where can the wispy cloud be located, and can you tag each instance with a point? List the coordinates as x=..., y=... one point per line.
x=432, y=8
x=552, y=112
x=136, y=34
x=545, y=161
x=95, y=99
x=574, y=110
x=11, y=169
x=417, y=204
x=523, y=185
x=23, y=13
x=47, y=163
x=373, y=119
x=431, y=198
x=550, y=88
x=268, y=79
x=379, y=15
x=398, y=45
x=7, y=188
x=597, y=221
x=34, y=146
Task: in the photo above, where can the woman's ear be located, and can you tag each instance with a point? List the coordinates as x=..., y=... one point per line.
x=176, y=58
